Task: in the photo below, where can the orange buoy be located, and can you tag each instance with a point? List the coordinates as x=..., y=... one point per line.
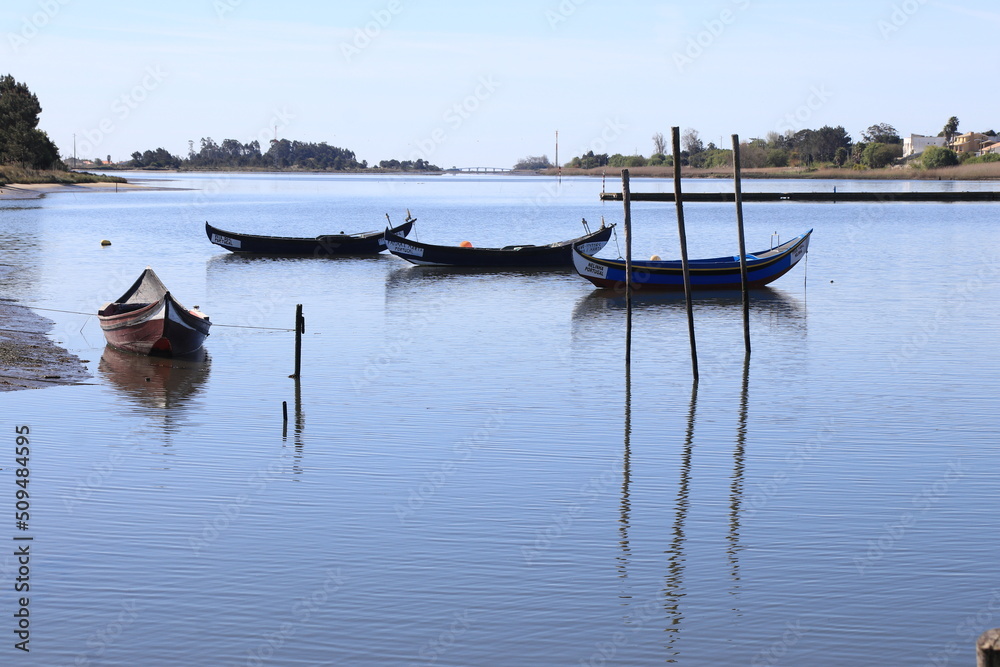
x=465, y=244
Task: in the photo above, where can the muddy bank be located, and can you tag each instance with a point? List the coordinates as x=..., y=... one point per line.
x=36, y=190
x=28, y=358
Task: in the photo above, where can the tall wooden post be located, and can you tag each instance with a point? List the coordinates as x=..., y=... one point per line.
x=676, y=132
x=300, y=328
x=743, y=247
x=627, y=199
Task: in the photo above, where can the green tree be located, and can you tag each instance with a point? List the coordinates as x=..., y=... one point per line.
x=533, y=162
x=882, y=133
x=776, y=157
x=877, y=155
x=938, y=156
x=21, y=141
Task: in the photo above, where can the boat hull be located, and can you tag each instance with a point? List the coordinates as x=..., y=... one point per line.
x=721, y=273
x=163, y=327
x=327, y=245
x=525, y=256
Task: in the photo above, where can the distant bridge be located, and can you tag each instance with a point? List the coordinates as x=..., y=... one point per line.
x=481, y=170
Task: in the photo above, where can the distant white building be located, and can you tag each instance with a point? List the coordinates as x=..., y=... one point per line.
x=915, y=144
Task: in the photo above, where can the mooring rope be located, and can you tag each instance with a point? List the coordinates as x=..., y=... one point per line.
x=615, y=232
x=77, y=312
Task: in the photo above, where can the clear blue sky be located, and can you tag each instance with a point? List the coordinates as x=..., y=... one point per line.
x=470, y=83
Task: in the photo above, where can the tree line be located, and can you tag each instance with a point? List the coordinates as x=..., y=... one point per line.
x=880, y=146
x=280, y=154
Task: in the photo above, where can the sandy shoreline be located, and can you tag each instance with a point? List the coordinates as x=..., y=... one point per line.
x=29, y=359
x=36, y=190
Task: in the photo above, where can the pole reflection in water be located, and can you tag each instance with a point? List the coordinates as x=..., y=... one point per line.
x=300, y=425
x=736, y=488
x=674, y=581
x=626, y=504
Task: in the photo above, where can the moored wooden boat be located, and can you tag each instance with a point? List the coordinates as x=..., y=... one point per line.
x=512, y=256
x=147, y=319
x=326, y=245
x=718, y=273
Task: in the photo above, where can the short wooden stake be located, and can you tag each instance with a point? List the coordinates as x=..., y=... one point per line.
x=284, y=418
x=743, y=246
x=988, y=649
x=676, y=132
x=627, y=199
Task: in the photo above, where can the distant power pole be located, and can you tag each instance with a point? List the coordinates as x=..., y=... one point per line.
x=558, y=166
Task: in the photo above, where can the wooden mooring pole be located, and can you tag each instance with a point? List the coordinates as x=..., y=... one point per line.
x=738, y=192
x=988, y=649
x=676, y=132
x=628, y=267
x=300, y=328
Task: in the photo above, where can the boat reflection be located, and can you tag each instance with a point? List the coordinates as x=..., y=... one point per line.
x=241, y=259
x=164, y=384
x=765, y=300
x=413, y=274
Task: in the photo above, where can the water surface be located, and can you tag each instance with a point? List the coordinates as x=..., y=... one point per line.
x=468, y=475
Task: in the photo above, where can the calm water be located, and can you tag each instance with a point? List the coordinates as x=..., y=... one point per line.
x=469, y=477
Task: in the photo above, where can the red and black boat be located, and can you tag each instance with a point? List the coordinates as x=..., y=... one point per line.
x=147, y=319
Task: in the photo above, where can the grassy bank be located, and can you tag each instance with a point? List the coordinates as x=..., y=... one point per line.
x=963, y=172
x=21, y=176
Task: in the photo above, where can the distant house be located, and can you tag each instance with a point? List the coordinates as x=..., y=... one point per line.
x=915, y=144
x=970, y=142
x=991, y=146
